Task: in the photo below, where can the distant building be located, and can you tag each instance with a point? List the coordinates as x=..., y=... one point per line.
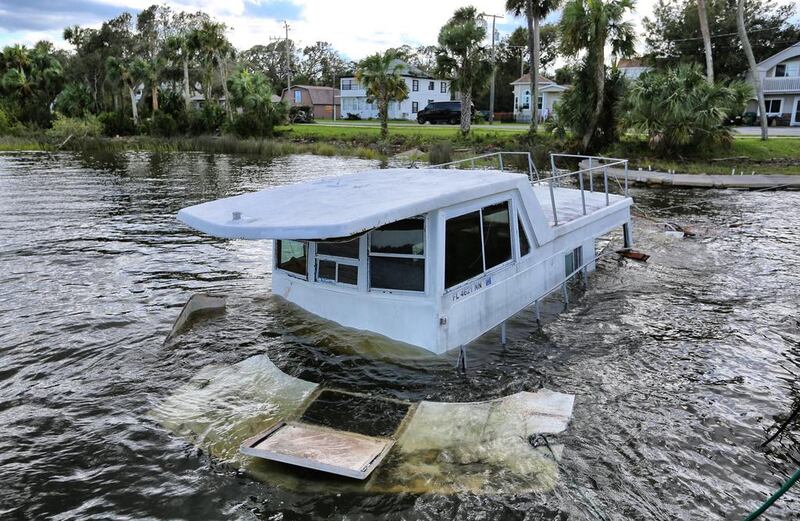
x=422, y=89
x=322, y=100
x=780, y=81
x=632, y=68
x=549, y=93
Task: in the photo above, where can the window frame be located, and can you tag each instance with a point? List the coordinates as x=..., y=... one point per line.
x=783, y=72
x=769, y=102
x=277, y=258
x=414, y=85
x=431, y=85
x=469, y=208
x=349, y=261
x=443, y=87
x=423, y=257
x=414, y=107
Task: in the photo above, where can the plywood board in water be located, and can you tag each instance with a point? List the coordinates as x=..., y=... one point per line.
x=338, y=452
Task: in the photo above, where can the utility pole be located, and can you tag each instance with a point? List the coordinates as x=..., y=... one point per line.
x=491, y=85
x=288, y=58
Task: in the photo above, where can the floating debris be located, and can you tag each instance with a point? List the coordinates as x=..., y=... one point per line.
x=197, y=304
x=634, y=255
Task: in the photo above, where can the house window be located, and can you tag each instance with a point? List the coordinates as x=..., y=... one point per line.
x=539, y=103
x=773, y=106
x=415, y=85
x=431, y=85
x=292, y=256
x=414, y=107
x=785, y=70
x=443, y=87
x=780, y=70
x=526, y=99
x=350, y=84
x=397, y=256
x=298, y=96
x=337, y=261
x=524, y=243
x=476, y=242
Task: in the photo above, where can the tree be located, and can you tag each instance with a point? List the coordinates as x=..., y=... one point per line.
x=751, y=61
x=380, y=75
x=590, y=25
x=534, y=11
x=214, y=49
x=31, y=79
x=463, y=57
x=673, y=35
x=153, y=26
x=680, y=111
x=125, y=71
x=703, y=15
x=252, y=92
x=179, y=47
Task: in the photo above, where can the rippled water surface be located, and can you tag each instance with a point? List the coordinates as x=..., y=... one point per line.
x=681, y=366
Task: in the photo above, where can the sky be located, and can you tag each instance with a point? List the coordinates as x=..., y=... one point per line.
x=355, y=27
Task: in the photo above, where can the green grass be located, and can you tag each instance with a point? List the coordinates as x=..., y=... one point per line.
x=13, y=143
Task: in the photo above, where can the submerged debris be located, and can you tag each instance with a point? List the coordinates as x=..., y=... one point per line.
x=197, y=304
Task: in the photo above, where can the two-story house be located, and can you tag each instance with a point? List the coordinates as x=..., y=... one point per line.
x=422, y=89
x=780, y=81
x=549, y=93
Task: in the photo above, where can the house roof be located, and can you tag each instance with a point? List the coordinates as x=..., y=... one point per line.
x=319, y=95
x=789, y=52
x=627, y=63
x=408, y=71
x=526, y=78
x=344, y=205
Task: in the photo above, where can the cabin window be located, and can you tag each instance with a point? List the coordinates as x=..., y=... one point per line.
x=397, y=256
x=496, y=234
x=476, y=242
x=463, y=248
x=337, y=261
x=292, y=256
x=524, y=243
x=572, y=261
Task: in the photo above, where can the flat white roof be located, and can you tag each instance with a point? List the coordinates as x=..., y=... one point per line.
x=343, y=205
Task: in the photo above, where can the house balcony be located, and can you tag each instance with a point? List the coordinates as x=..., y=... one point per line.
x=780, y=85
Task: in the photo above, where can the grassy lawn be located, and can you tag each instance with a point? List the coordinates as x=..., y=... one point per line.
x=414, y=134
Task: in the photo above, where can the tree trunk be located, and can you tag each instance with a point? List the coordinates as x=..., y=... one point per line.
x=383, y=113
x=600, y=84
x=134, y=109
x=703, y=15
x=187, y=97
x=224, y=77
x=533, y=56
x=466, y=109
x=753, y=69
x=154, y=93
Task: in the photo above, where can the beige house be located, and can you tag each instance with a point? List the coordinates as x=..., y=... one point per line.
x=549, y=93
x=632, y=68
x=780, y=81
x=322, y=100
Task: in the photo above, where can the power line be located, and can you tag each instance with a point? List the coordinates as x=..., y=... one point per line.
x=729, y=34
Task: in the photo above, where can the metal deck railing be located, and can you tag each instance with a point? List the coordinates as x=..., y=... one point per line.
x=597, y=164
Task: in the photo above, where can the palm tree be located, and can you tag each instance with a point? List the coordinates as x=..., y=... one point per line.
x=213, y=48
x=462, y=56
x=590, y=25
x=534, y=11
x=380, y=75
x=751, y=61
x=125, y=71
x=703, y=15
x=180, y=47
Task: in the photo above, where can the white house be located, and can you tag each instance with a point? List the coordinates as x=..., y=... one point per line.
x=632, y=68
x=549, y=93
x=780, y=81
x=422, y=89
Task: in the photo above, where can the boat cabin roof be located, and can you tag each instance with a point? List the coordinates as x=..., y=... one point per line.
x=345, y=205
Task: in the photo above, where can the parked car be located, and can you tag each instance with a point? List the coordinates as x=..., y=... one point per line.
x=441, y=112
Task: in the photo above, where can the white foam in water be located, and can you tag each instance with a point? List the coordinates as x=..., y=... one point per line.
x=480, y=447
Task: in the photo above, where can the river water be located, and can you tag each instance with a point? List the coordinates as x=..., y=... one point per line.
x=681, y=366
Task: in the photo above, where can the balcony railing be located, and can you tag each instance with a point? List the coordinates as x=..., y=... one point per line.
x=788, y=84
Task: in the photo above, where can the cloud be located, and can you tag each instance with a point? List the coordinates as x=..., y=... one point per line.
x=52, y=15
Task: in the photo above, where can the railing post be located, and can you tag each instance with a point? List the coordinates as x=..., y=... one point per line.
x=583, y=195
x=626, y=178
x=530, y=167
x=553, y=202
x=591, y=175
x=500, y=156
x=605, y=182
x=566, y=295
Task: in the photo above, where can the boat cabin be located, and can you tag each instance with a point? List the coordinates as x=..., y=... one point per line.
x=430, y=257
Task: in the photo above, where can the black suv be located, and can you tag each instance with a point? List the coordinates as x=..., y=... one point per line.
x=441, y=112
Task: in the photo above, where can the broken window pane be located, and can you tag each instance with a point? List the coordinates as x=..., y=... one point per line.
x=292, y=256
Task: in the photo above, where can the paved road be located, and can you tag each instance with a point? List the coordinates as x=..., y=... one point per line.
x=374, y=124
x=773, y=131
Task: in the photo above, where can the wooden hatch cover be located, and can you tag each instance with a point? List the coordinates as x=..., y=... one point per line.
x=320, y=448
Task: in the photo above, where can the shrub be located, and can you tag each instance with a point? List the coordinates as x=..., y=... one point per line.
x=680, y=111
x=74, y=101
x=116, y=124
x=207, y=120
x=5, y=123
x=163, y=125
x=63, y=127
x=441, y=152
